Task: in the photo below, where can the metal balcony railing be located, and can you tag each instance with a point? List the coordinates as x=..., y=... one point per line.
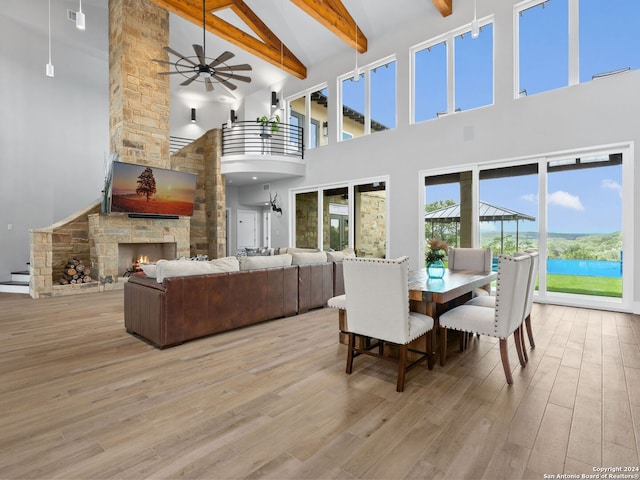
x=252, y=138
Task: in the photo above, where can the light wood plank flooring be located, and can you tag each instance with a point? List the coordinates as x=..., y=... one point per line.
x=82, y=399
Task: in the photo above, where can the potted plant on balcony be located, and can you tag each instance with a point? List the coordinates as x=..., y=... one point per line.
x=269, y=125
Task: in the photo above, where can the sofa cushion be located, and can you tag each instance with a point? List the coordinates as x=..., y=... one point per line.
x=340, y=256
x=266, y=261
x=308, y=258
x=184, y=268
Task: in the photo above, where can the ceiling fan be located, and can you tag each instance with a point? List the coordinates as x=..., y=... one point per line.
x=202, y=69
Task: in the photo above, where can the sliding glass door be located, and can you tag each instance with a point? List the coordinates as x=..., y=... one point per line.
x=569, y=206
x=584, y=225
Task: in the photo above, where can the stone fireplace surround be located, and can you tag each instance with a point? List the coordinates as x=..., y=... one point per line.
x=111, y=235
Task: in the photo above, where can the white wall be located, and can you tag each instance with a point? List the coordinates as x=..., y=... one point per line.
x=54, y=132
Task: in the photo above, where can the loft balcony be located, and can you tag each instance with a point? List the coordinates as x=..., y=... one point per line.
x=271, y=152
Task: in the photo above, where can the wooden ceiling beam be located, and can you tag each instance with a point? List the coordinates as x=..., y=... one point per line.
x=336, y=18
x=444, y=6
x=215, y=5
x=270, y=49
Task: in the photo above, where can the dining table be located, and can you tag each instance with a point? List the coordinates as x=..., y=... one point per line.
x=432, y=296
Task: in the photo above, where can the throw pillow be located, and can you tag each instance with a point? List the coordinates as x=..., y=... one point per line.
x=184, y=268
x=265, y=261
x=340, y=256
x=149, y=269
x=308, y=258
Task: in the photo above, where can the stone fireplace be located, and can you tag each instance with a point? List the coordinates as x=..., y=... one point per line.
x=116, y=240
x=131, y=255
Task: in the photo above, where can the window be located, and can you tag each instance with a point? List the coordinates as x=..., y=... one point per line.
x=543, y=47
x=473, y=69
x=617, y=50
x=338, y=216
x=430, y=81
x=309, y=110
x=368, y=100
x=453, y=72
x=383, y=97
x=570, y=206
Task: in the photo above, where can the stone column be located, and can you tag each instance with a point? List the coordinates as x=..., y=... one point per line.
x=215, y=196
x=466, y=218
x=139, y=97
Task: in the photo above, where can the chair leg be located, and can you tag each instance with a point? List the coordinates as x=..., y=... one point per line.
x=462, y=338
x=431, y=356
x=517, y=336
x=523, y=347
x=504, y=354
x=527, y=322
x=352, y=344
x=402, y=367
x=443, y=345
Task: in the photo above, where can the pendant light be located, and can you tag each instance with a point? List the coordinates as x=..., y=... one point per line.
x=80, y=25
x=475, y=28
x=49, y=68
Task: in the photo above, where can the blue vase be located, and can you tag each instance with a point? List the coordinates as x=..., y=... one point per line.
x=435, y=269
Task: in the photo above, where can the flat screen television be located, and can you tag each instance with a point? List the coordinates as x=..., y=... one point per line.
x=141, y=190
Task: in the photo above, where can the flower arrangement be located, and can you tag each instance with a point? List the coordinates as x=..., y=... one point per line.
x=437, y=249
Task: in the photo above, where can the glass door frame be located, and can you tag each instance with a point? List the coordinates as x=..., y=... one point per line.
x=542, y=296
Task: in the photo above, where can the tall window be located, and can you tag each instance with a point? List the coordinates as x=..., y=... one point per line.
x=543, y=44
x=474, y=69
x=568, y=206
x=430, y=81
x=383, y=97
x=453, y=72
x=309, y=111
x=368, y=100
x=609, y=37
x=352, y=215
x=353, y=107
x=558, y=45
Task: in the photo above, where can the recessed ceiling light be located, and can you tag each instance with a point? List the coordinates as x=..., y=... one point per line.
x=254, y=178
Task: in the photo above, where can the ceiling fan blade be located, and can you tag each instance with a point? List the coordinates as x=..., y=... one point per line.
x=171, y=50
x=240, y=78
x=229, y=85
x=208, y=84
x=224, y=56
x=200, y=53
x=244, y=66
x=189, y=80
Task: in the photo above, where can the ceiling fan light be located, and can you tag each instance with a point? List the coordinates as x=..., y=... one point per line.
x=80, y=21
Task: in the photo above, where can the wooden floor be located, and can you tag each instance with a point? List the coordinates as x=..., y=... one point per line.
x=82, y=399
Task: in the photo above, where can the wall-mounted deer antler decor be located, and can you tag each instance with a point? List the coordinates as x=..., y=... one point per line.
x=274, y=204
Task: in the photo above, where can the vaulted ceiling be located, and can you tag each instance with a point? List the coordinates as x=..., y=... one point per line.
x=261, y=41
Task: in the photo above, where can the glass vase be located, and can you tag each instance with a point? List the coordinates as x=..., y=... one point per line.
x=435, y=269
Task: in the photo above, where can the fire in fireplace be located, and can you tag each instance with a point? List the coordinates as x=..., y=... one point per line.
x=131, y=255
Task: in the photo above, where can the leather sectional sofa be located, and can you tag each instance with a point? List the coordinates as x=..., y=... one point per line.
x=183, y=308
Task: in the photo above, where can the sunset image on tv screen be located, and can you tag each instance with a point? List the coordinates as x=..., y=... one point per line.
x=151, y=190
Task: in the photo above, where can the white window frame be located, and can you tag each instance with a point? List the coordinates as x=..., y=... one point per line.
x=366, y=72
x=449, y=39
x=307, y=110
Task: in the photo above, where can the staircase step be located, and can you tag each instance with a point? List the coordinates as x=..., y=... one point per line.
x=21, y=276
x=14, y=287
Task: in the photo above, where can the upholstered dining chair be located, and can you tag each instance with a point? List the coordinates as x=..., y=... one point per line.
x=490, y=301
x=476, y=259
x=377, y=301
x=502, y=320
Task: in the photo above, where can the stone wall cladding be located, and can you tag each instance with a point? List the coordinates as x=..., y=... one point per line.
x=139, y=97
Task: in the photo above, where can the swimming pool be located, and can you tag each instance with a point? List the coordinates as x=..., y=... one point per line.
x=588, y=268
x=591, y=268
